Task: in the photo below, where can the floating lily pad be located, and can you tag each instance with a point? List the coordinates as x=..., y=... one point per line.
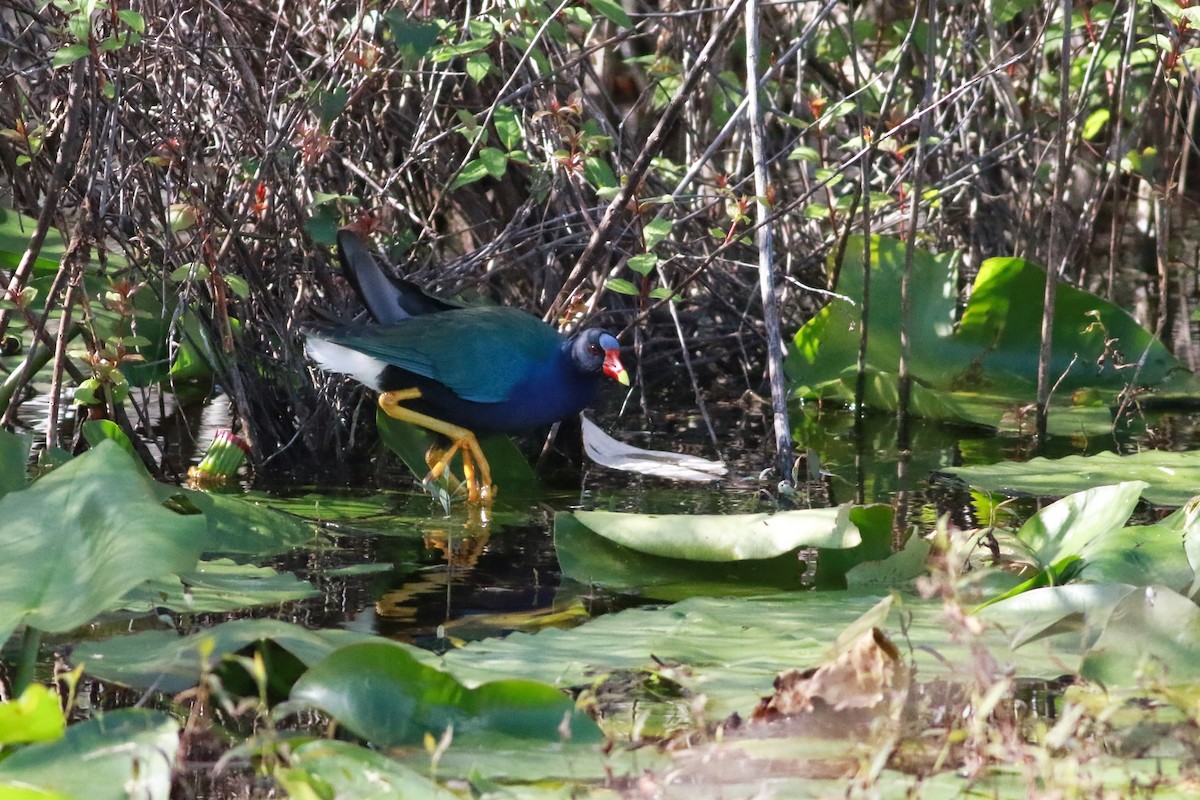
x=171, y=663
x=729, y=649
x=347, y=770
x=239, y=528
x=1152, y=637
x=1172, y=478
x=217, y=586
x=593, y=560
x=725, y=537
x=386, y=696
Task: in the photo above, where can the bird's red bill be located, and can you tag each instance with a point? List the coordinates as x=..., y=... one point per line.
x=613, y=367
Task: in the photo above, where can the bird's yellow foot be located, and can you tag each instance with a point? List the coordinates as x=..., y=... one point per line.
x=477, y=473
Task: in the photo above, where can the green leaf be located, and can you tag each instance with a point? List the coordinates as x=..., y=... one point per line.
x=218, y=587
x=65, y=56
x=806, y=154
x=182, y=217
x=350, y=771
x=232, y=526
x=578, y=16
x=238, y=285
x=323, y=224
x=331, y=104
x=474, y=170
x=724, y=647
x=725, y=537
x=451, y=51
x=1153, y=635
x=983, y=370
x=1055, y=609
x=133, y=19
x=1166, y=552
x=14, y=455
x=35, y=716
x=171, y=663
x=507, y=127
x=479, y=66
x=381, y=693
x=412, y=38
x=621, y=286
x=655, y=231
x=612, y=11
x=105, y=430
x=76, y=540
x=1066, y=527
x=494, y=161
x=1172, y=478
x=894, y=571
x=193, y=271
x=113, y=756
x=643, y=263
x=598, y=172
x=592, y=560
x=1095, y=123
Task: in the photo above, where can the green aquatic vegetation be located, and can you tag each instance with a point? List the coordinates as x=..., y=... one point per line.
x=980, y=367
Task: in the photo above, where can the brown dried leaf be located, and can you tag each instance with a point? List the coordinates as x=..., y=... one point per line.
x=867, y=674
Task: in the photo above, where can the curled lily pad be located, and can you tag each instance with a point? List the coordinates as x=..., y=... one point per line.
x=725, y=537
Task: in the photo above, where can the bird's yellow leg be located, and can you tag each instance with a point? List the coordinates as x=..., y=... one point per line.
x=479, y=486
x=434, y=458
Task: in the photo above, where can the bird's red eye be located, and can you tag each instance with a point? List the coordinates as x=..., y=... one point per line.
x=595, y=349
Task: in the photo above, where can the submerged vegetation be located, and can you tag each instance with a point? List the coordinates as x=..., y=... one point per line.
x=936, y=215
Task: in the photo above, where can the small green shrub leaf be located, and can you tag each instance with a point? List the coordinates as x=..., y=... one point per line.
x=612, y=11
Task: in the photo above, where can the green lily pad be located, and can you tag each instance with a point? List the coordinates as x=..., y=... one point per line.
x=1081, y=609
x=14, y=455
x=239, y=528
x=340, y=769
x=114, y=756
x=171, y=663
x=75, y=541
x=1152, y=637
x=729, y=649
x=16, y=229
x=218, y=586
x=725, y=537
x=895, y=570
x=1144, y=555
x=386, y=696
x=1172, y=478
x=593, y=560
x=1067, y=527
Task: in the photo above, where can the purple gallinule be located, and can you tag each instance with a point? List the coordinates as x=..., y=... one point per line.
x=460, y=370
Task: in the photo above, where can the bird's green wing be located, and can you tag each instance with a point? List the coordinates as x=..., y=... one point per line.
x=481, y=353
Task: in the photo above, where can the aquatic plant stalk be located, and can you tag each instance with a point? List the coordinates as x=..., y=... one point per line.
x=766, y=253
